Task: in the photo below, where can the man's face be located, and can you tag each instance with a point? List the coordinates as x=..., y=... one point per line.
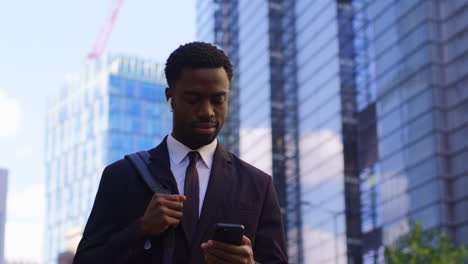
x=200, y=102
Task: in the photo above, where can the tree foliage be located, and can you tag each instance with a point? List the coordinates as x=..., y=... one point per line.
x=425, y=247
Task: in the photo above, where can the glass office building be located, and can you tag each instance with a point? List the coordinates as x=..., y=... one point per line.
x=116, y=106
x=412, y=99
x=216, y=29
x=375, y=94
x=266, y=138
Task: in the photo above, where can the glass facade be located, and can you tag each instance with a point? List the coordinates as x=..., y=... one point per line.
x=382, y=103
x=254, y=77
x=284, y=120
x=222, y=30
x=413, y=49
x=320, y=132
x=116, y=106
x=242, y=29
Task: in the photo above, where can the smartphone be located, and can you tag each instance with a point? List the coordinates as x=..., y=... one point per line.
x=229, y=233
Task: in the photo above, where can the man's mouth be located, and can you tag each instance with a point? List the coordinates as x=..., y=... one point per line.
x=205, y=127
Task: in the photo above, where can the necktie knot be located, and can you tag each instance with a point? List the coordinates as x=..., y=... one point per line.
x=193, y=157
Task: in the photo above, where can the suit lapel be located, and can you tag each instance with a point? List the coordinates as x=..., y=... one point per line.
x=214, y=202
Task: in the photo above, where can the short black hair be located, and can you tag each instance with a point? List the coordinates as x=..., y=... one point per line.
x=195, y=55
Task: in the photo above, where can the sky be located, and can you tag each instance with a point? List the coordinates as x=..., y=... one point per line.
x=40, y=43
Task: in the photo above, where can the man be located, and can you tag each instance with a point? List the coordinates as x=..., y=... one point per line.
x=128, y=222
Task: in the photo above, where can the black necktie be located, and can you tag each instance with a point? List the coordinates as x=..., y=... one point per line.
x=192, y=192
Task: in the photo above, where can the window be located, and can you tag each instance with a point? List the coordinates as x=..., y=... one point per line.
x=371, y=215
x=374, y=256
x=364, y=57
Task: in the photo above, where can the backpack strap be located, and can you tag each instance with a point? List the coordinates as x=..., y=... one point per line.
x=140, y=160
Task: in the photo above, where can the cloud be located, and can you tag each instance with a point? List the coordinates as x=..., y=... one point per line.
x=10, y=115
x=27, y=205
x=24, y=230
x=259, y=140
x=324, y=150
x=24, y=241
x=323, y=246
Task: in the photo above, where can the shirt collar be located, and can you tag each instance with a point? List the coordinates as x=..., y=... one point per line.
x=178, y=151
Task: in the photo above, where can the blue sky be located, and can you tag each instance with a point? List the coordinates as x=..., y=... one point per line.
x=41, y=42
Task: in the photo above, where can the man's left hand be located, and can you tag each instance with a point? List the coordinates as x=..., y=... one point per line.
x=217, y=252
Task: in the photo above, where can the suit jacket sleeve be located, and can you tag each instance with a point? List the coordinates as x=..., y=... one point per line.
x=108, y=238
x=270, y=244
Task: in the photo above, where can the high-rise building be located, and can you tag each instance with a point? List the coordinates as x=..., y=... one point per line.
x=358, y=108
x=264, y=91
x=116, y=106
x=3, y=201
x=216, y=29
x=412, y=109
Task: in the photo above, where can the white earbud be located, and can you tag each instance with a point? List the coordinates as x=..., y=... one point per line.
x=169, y=101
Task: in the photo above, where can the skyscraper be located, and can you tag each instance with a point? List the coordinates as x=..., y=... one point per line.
x=3, y=201
x=358, y=109
x=267, y=118
x=412, y=105
x=116, y=106
x=215, y=28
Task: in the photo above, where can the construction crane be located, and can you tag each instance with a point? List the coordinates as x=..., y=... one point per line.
x=104, y=34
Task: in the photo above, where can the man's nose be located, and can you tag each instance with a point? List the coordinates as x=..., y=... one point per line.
x=206, y=109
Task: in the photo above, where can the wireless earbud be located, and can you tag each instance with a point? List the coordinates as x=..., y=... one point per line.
x=169, y=101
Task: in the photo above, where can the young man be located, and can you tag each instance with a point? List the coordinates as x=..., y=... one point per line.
x=208, y=184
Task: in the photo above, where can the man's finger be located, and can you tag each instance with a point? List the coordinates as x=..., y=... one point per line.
x=171, y=221
x=226, y=256
x=246, y=241
x=233, y=249
x=211, y=258
x=172, y=205
x=170, y=197
x=172, y=213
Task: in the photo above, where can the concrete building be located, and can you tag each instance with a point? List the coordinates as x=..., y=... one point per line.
x=359, y=111
x=116, y=106
x=3, y=211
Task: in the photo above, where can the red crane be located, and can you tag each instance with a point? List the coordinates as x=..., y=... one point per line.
x=105, y=32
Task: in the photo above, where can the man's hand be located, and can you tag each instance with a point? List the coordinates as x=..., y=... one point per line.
x=163, y=211
x=217, y=252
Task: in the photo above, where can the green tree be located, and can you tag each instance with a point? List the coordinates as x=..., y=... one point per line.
x=425, y=247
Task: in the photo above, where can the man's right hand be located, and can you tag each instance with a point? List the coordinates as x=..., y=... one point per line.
x=163, y=211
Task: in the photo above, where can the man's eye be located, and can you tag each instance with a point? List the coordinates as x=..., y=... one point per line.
x=192, y=99
x=218, y=99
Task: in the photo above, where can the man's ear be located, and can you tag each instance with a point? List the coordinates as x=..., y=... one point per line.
x=168, y=93
x=169, y=102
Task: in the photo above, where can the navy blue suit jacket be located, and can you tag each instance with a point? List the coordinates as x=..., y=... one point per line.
x=237, y=193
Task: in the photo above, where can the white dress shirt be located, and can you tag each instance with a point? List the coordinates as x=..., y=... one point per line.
x=180, y=161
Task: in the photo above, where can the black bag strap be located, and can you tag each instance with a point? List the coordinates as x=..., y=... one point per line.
x=140, y=160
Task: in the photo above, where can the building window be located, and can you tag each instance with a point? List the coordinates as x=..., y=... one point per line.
x=364, y=55
x=374, y=256
x=370, y=199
